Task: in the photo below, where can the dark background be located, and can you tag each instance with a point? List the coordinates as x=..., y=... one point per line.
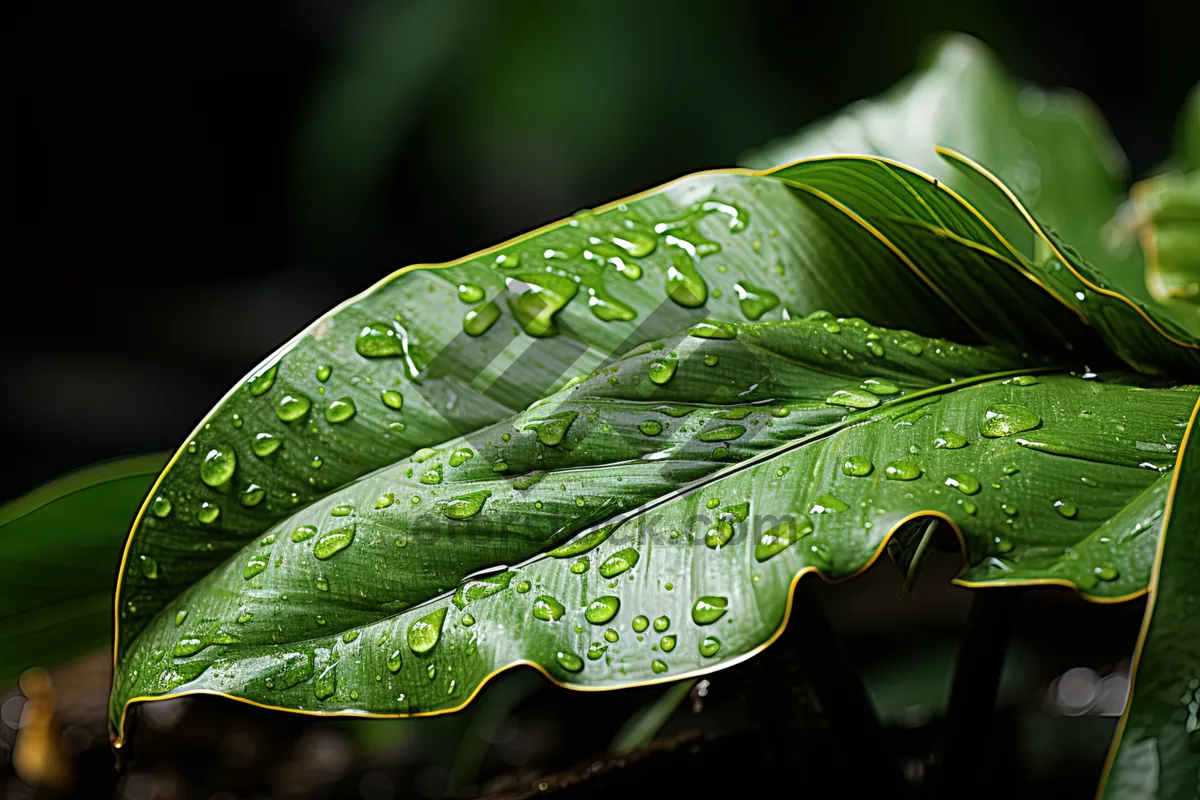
x=188, y=184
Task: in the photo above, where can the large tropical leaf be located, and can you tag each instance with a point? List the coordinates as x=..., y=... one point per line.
x=60, y=543
x=434, y=353
x=1051, y=147
x=649, y=521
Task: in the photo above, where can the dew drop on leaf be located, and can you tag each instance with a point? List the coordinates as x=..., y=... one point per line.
x=602, y=609
x=218, y=465
x=857, y=466
x=547, y=608
x=709, y=609
x=568, y=661
x=423, y=634
x=852, y=398
x=333, y=542
x=292, y=407
x=1005, y=419
x=902, y=470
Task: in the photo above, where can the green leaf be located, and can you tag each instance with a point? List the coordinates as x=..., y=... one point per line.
x=1156, y=751
x=1168, y=217
x=1051, y=147
x=435, y=352
x=673, y=498
x=56, y=574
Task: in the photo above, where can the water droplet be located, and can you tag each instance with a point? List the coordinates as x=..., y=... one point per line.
x=322, y=585
x=711, y=360
x=718, y=535
x=379, y=340
x=607, y=308
x=262, y=380
x=879, y=386
x=477, y=321
x=1025, y=380
x=523, y=587
x=473, y=589
x=712, y=330
x=902, y=470
x=384, y=500
x=323, y=372
x=580, y=566
x=333, y=542
x=218, y=465
x=964, y=482
x=551, y=430
x=547, y=609
x=596, y=651
x=666, y=643
x=461, y=456
x=292, y=407
x=189, y=645
x=709, y=646
x=303, y=533
x=611, y=636
x=723, y=433
x=1009, y=509
x=1089, y=481
x=343, y=510
x=340, y=410
x=180, y=616
x=464, y=506
x=150, y=568
x=432, y=476
x=618, y=562
x=712, y=502
x=659, y=666
x=755, y=300
x=602, y=609
x=774, y=541
x=394, y=662
x=857, y=466
x=264, y=444
x=392, y=399
x=709, y=609
x=423, y=634
x=160, y=506
x=1106, y=572
x=255, y=565
x=568, y=661
x=468, y=620
x=208, y=513
x=253, y=495
x=949, y=440
x=826, y=503
x=469, y=293
x=650, y=427
x=684, y=284
x=640, y=623
x=852, y=398
x=662, y=371
x=662, y=623
x=1005, y=419
x=1066, y=508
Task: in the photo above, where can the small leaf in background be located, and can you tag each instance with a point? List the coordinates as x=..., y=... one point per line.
x=61, y=545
